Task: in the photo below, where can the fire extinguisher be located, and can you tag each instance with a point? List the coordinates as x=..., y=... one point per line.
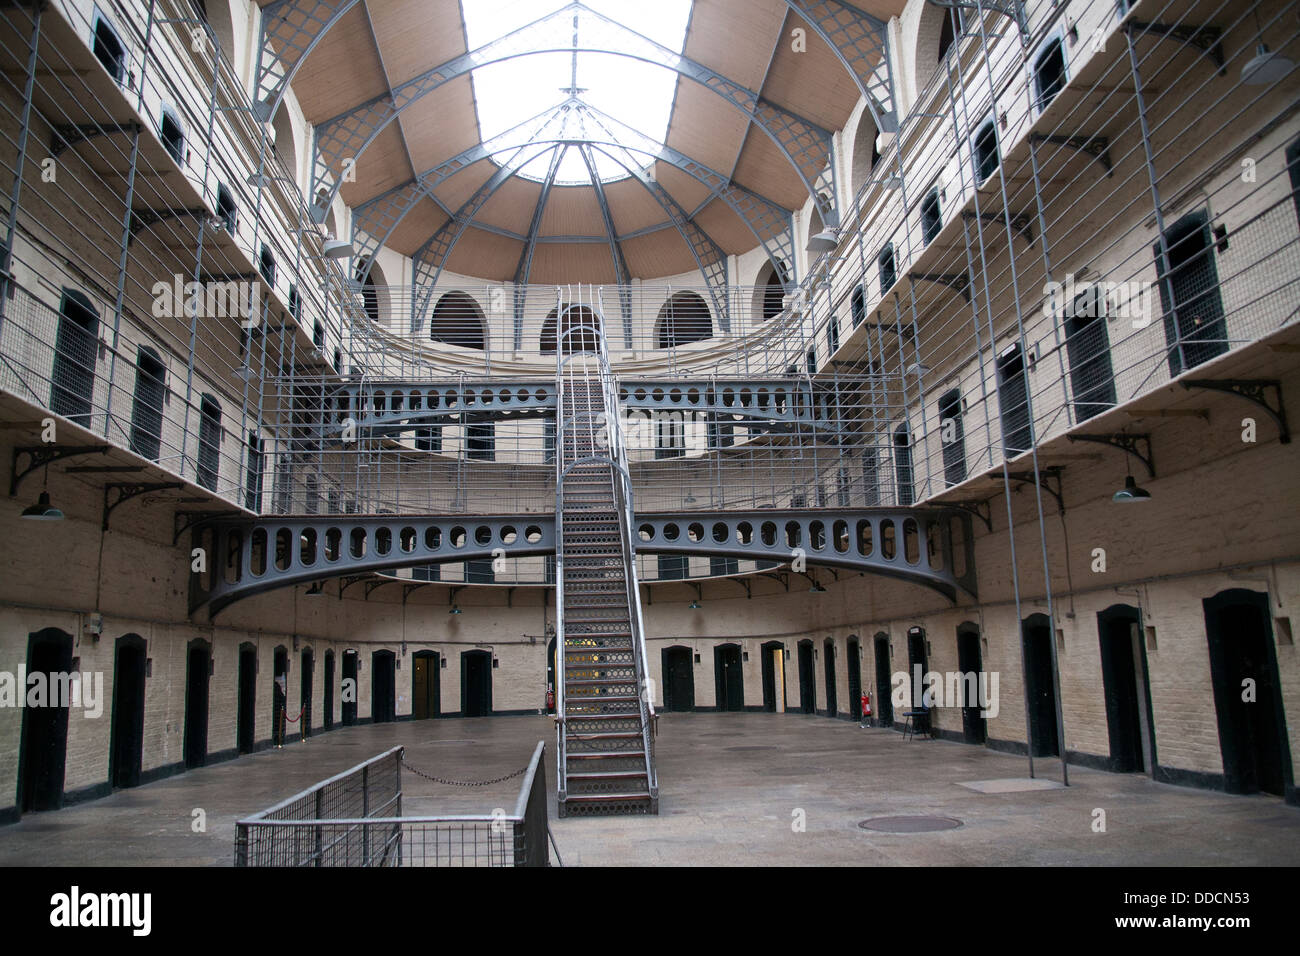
x=550, y=699
x=866, y=704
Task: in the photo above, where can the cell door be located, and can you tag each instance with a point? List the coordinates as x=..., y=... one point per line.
x=970, y=660
x=476, y=683
x=126, y=749
x=1247, y=696
x=198, y=671
x=44, y=746
x=327, y=710
x=1123, y=673
x=383, y=687
x=854, y=661
x=728, y=677
x=884, y=703
x=807, y=679
x=1039, y=686
x=350, y=688
x=832, y=694
x=246, y=717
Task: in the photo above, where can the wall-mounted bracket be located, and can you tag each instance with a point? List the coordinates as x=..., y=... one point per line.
x=182, y=521
x=127, y=490
x=41, y=455
x=1252, y=390
x=1206, y=39
x=1044, y=480
x=981, y=509
x=144, y=218
x=68, y=135
x=1126, y=443
x=957, y=281
x=1098, y=147
x=1021, y=223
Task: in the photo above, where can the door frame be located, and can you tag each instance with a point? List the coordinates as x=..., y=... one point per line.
x=187, y=755
x=722, y=700
x=60, y=637
x=136, y=643
x=974, y=726
x=246, y=647
x=477, y=653
x=1212, y=607
x=1142, y=676
x=433, y=667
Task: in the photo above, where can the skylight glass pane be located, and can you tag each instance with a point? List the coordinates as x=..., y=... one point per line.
x=520, y=87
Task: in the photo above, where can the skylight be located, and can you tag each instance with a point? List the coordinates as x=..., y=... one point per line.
x=631, y=91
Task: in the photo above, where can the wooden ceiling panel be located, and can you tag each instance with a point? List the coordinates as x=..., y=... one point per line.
x=453, y=192
x=572, y=211
x=485, y=255
x=420, y=223
x=813, y=84
x=564, y=262
x=343, y=70
x=415, y=36
x=683, y=187
x=511, y=207
x=738, y=47
x=380, y=168
x=632, y=206
x=659, y=254
x=764, y=169
x=440, y=125
x=727, y=229
x=705, y=127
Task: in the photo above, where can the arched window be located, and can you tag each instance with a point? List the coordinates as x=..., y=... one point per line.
x=683, y=319
x=580, y=323
x=903, y=465
x=937, y=34
x=952, y=436
x=985, y=150
x=888, y=271
x=147, y=404
x=769, y=295
x=1049, y=72
x=865, y=154
x=931, y=216
x=948, y=32
x=285, y=145
x=374, y=288
x=209, y=442
x=76, y=350
x=457, y=320
x=858, y=306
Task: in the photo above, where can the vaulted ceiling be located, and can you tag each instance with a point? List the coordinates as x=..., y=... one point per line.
x=506, y=209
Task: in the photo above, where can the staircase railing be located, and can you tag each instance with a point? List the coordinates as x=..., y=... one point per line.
x=627, y=529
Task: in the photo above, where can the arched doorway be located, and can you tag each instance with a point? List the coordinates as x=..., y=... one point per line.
x=305, y=681
x=279, y=694
x=458, y=320
x=970, y=661
x=1040, y=690
x=807, y=678
x=426, y=685
x=351, y=688
x=832, y=693
x=76, y=352
x=854, y=664
x=245, y=708
x=476, y=683
x=884, y=685
x=44, y=746
x=383, y=687
x=1124, y=677
x=917, y=657
x=728, y=677
x=774, y=677
x=327, y=709
x=198, y=679
x=579, y=330
x=126, y=747
x=684, y=318
x=679, y=678
x=1252, y=732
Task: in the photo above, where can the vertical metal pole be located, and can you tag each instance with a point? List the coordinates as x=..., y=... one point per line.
x=1047, y=276
x=119, y=300
x=15, y=195
x=1033, y=449
x=1162, y=266
x=144, y=57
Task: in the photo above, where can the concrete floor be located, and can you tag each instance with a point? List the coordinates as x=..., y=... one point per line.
x=730, y=789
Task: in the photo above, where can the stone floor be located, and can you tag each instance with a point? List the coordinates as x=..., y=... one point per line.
x=733, y=790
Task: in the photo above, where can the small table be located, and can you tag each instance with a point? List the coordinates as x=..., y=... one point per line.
x=918, y=721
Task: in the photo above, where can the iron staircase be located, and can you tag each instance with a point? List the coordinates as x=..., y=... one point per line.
x=604, y=712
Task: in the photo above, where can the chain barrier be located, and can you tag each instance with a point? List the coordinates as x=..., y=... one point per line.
x=464, y=783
